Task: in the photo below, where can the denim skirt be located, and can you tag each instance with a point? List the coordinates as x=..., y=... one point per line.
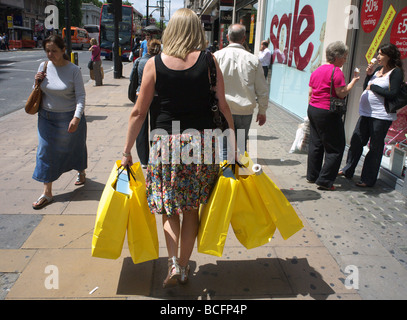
x=58, y=150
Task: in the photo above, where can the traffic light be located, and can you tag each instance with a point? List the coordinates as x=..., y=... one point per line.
x=115, y=7
x=118, y=9
x=110, y=6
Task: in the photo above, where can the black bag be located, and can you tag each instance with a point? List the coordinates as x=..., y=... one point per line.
x=336, y=105
x=399, y=102
x=218, y=117
x=90, y=65
x=132, y=91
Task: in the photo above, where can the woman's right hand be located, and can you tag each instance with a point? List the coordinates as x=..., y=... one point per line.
x=370, y=69
x=40, y=76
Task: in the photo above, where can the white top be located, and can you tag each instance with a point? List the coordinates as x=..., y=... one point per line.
x=244, y=80
x=63, y=89
x=265, y=57
x=372, y=104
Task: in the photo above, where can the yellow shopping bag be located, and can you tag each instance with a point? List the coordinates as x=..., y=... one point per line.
x=251, y=221
x=281, y=211
x=216, y=214
x=111, y=220
x=142, y=234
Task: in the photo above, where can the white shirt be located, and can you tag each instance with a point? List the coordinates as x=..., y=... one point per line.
x=265, y=57
x=372, y=104
x=244, y=80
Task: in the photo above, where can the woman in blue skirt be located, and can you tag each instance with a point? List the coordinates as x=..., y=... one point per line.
x=61, y=123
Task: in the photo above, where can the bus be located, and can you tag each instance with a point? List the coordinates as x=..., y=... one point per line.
x=93, y=30
x=127, y=30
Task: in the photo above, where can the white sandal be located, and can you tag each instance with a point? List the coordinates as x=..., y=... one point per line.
x=174, y=272
x=42, y=201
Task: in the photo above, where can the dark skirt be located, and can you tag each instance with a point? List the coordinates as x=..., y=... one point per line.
x=58, y=150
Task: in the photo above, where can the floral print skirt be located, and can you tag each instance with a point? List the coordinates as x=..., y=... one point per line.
x=181, y=172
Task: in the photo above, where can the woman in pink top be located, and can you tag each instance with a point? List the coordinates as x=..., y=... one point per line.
x=326, y=128
x=97, y=62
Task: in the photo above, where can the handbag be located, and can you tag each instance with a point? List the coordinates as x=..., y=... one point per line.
x=218, y=117
x=399, y=102
x=90, y=65
x=34, y=100
x=337, y=105
x=216, y=214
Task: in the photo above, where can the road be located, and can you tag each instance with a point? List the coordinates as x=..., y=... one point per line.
x=17, y=71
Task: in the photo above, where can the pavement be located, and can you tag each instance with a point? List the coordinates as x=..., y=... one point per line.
x=46, y=254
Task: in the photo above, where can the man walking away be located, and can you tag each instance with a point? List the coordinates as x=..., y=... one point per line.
x=244, y=82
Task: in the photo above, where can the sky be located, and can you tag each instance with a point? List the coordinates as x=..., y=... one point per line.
x=140, y=6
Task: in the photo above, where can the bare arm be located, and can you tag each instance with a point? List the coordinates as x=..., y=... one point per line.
x=140, y=109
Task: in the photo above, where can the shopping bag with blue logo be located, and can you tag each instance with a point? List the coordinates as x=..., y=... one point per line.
x=111, y=219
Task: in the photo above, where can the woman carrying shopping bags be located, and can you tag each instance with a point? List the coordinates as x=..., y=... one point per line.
x=180, y=77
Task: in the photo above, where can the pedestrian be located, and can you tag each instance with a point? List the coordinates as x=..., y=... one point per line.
x=265, y=57
x=2, y=42
x=61, y=120
x=180, y=76
x=96, y=70
x=245, y=85
x=214, y=47
x=143, y=141
x=143, y=45
x=327, y=133
x=380, y=85
x=5, y=38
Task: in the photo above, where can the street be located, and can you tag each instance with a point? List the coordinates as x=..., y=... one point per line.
x=17, y=71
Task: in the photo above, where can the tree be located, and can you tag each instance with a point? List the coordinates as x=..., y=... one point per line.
x=76, y=12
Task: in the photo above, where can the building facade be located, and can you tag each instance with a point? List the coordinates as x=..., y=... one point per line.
x=299, y=32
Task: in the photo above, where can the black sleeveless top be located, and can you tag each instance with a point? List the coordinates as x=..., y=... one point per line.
x=184, y=96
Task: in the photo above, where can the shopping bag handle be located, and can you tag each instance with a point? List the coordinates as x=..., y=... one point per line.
x=233, y=165
x=130, y=172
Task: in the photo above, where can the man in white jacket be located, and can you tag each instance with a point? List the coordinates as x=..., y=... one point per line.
x=245, y=85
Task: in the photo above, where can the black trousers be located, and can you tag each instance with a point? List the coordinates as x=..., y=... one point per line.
x=327, y=144
x=143, y=140
x=375, y=130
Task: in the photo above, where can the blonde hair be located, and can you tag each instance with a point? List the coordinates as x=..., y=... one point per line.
x=184, y=34
x=93, y=42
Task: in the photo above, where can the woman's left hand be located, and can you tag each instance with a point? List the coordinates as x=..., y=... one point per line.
x=73, y=125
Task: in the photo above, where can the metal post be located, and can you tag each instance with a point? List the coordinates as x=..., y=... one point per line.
x=68, y=28
x=147, y=17
x=117, y=72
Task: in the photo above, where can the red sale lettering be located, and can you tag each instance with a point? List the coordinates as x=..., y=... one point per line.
x=295, y=38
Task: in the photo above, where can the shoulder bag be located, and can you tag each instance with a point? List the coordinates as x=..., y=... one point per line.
x=399, y=102
x=34, y=100
x=337, y=105
x=218, y=117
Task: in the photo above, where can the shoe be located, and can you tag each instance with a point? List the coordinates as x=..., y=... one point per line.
x=42, y=201
x=326, y=188
x=361, y=184
x=174, y=273
x=340, y=173
x=144, y=166
x=310, y=181
x=80, y=179
x=184, y=275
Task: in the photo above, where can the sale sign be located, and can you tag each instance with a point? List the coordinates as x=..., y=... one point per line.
x=371, y=12
x=399, y=33
x=391, y=13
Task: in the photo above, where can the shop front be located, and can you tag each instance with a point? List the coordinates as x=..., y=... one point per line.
x=299, y=32
x=381, y=22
